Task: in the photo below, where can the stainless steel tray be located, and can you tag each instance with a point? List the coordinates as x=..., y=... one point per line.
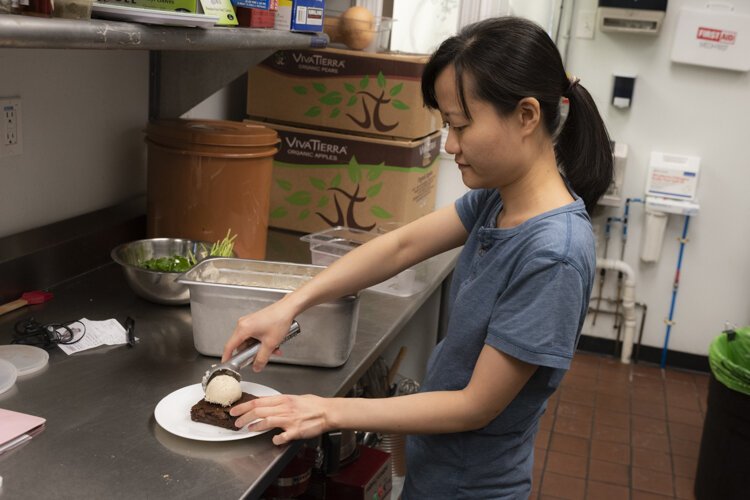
x=224, y=289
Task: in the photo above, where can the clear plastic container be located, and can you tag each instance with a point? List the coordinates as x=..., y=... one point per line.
x=331, y=244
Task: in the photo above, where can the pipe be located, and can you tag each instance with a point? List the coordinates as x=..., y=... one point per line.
x=628, y=303
x=603, y=272
x=675, y=287
x=624, y=241
x=618, y=315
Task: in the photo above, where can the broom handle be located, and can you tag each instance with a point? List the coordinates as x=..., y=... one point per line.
x=12, y=306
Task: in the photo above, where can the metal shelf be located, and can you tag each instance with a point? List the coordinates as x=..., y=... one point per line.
x=41, y=33
x=187, y=64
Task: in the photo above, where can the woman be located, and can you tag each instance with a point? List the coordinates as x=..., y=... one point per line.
x=521, y=285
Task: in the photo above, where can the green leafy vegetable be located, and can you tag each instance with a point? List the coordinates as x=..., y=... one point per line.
x=180, y=263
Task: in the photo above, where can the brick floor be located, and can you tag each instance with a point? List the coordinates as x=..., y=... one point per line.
x=617, y=431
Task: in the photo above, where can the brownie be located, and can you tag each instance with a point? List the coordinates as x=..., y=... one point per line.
x=215, y=414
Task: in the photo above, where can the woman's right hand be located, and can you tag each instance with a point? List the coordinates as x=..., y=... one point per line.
x=269, y=325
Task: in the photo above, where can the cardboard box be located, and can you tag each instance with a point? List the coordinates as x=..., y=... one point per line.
x=326, y=179
x=255, y=4
x=172, y=5
x=345, y=90
x=300, y=15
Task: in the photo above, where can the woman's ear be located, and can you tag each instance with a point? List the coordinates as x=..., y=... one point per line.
x=528, y=114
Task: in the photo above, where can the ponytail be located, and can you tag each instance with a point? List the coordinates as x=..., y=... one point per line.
x=510, y=58
x=583, y=148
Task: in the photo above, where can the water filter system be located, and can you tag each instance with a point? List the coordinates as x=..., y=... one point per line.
x=671, y=188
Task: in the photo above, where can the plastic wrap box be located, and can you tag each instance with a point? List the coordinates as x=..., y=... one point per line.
x=329, y=245
x=224, y=289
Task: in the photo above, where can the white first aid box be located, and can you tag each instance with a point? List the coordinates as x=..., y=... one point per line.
x=673, y=176
x=713, y=37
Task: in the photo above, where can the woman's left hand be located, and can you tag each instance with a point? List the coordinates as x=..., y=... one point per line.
x=300, y=417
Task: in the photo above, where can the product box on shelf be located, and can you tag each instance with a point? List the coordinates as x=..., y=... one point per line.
x=337, y=89
x=325, y=179
x=257, y=4
x=172, y=5
x=300, y=15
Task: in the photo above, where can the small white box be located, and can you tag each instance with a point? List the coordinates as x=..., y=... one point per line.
x=717, y=38
x=673, y=176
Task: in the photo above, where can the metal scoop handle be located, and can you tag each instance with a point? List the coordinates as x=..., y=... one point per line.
x=245, y=357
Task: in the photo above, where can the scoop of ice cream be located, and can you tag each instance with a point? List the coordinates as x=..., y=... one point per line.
x=223, y=390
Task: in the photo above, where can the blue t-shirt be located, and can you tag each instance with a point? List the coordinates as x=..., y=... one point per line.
x=524, y=291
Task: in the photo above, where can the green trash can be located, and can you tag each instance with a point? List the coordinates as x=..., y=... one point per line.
x=724, y=459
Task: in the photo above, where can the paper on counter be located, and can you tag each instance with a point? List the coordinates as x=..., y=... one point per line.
x=97, y=333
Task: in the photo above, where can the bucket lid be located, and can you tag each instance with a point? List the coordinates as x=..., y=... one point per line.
x=213, y=132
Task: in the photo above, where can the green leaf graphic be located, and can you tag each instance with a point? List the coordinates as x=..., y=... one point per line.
x=364, y=82
x=318, y=183
x=285, y=185
x=336, y=181
x=299, y=198
x=319, y=87
x=399, y=105
x=374, y=190
x=381, y=79
x=278, y=212
x=353, y=169
x=331, y=98
x=375, y=172
x=304, y=214
x=336, y=112
x=380, y=213
x=352, y=100
x=350, y=88
x=396, y=89
x=323, y=201
x=300, y=89
x=313, y=111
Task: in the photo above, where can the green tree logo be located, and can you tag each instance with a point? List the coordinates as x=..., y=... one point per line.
x=332, y=101
x=315, y=200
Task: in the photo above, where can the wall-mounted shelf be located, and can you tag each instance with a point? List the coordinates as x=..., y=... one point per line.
x=40, y=33
x=187, y=64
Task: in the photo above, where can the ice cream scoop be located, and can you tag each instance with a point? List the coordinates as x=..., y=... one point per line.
x=223, y=390
x=240, y=360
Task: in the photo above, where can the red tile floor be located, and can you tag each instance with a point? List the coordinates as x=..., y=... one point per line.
x=615, y=431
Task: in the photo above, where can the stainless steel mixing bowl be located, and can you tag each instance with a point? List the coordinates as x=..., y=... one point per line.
x=157, y=286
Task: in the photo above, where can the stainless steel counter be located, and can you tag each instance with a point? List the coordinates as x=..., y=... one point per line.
x=101, y=439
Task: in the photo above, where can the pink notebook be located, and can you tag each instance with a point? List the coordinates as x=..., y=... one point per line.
x=16, y=428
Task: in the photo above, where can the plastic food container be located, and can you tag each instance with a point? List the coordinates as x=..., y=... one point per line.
x=224, y=289
x=329, y=245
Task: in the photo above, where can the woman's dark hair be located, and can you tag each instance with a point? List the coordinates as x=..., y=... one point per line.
x=511, y=58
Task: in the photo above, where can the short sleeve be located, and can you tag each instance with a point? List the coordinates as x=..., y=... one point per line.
x=538, y=316
x=469, y=207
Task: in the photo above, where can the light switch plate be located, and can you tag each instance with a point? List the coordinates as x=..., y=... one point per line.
x=586, y=24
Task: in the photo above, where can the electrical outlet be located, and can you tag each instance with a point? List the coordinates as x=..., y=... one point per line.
x=10, y=127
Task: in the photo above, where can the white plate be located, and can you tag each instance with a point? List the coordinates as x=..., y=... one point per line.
x=152, y=16
x=8, y=375
x=173, y=414
x=26, y=358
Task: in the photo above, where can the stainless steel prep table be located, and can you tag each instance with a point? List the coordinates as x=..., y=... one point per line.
x=101, y=439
